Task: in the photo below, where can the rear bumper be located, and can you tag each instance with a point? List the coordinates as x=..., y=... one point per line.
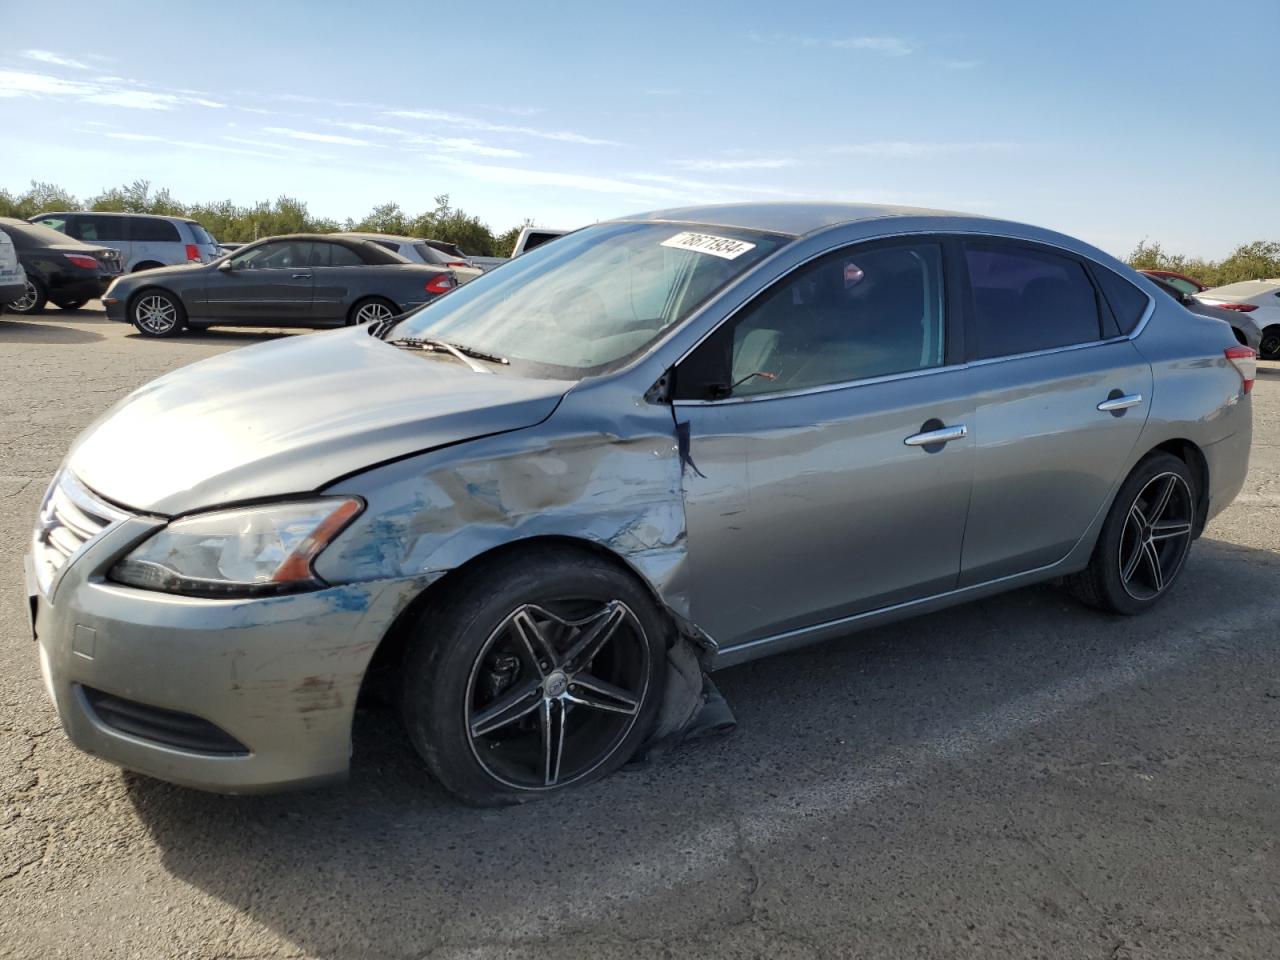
x=81, y=288
x=12, y=291
x=1228, y=463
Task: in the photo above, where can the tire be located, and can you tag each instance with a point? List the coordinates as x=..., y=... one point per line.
x=1269, y=349
x=157, y=313
x=32, y=302
x=465, y=658
x=70, y=304
x=371, y=310
x=1145, y=539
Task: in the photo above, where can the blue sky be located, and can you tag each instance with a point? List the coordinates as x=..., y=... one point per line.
x=1112, y=121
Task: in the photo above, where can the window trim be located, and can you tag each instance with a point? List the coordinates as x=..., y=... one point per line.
x=953, y=237
x=953, y=331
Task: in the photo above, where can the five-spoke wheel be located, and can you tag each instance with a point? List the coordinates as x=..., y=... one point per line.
x=1144, y=542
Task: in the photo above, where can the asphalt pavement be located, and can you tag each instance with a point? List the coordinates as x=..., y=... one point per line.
x=1020, y=777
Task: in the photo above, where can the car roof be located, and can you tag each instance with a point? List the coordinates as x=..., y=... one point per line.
x=112, y=213
x=1244, y=290
x=358, y=235
x=794, y=218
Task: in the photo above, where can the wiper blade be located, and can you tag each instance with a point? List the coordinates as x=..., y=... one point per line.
x=461, y=353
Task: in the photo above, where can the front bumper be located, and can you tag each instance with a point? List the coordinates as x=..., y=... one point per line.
x=280, y=675
x=115, y=307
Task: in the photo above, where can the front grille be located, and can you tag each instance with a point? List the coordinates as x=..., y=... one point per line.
x=71, y=518
x=170, y=728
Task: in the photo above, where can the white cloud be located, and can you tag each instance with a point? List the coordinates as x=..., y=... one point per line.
x=135, y=99
x=701, y=188
x=189, y=144
x=366, y=127
x=464, y=145
x=902, y=149
x=318, y=137
x=472, y=123
x=107, y=91
x=758, y=163
x=889, y=46
x=44, y=56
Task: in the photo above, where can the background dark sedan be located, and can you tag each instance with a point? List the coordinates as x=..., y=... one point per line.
x=1246, y=331
x=60, y=270
x=302, y=280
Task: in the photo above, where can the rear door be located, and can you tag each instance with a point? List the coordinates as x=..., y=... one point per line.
x=155, y=240
x=1061, y=399
x=266, y=284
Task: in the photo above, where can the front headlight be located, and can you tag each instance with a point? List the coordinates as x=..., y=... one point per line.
x=252, y=551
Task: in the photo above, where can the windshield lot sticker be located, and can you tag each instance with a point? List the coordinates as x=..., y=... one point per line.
x=707, y=243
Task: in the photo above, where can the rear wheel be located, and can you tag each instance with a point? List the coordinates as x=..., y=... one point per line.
x=32, y=300
x=1269, y=349
x=371, y=310
x=544, y=672
x=70, y=304
x=1145, y=540
x=157, y=313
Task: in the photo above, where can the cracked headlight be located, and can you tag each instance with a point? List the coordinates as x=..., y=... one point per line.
x=251, y=551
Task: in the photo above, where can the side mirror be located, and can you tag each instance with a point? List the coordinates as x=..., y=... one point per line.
x=225, y=266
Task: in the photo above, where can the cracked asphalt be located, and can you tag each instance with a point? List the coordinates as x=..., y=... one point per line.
x=1018, y=778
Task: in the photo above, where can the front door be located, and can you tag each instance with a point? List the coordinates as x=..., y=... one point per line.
x=271, y=283
x=828, y=459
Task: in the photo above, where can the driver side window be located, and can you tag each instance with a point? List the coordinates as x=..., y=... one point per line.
x=278, y=255
x=851, y=315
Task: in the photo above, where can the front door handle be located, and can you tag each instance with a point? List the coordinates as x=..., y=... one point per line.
x=942, y=435
x=1112, y=404
x=302, y=276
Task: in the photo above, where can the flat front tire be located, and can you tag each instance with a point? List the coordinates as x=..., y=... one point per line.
x=157, y=313
x=542, y=672
x=1145, y=539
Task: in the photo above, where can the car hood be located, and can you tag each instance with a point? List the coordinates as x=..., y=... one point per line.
x=156, y=273
x=291, y=416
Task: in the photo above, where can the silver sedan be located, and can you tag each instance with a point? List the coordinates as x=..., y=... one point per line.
x=547, y=503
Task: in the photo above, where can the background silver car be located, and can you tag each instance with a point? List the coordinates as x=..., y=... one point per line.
x=417, y=250
x=145, y=241
x=685, y=439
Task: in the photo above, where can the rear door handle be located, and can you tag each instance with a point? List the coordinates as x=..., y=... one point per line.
x=302, y=276
x=942, y=435
x=1120, y=403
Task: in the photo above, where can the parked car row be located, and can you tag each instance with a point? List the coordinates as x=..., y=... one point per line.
x=59, y=269
x=1250, y=307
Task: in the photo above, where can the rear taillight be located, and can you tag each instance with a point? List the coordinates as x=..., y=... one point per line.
x=193, y=253
x=1239, y=307
x=82, y=261
x=457, y=263
x=441, y=284
x=1246, y=363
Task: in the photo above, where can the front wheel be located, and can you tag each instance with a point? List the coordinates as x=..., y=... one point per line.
x=544, y=672
x=32, y=300
x=156, y=313
x=1269, y=349
x=1145, y=540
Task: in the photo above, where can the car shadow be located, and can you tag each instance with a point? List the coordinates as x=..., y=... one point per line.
x=224, y=335
x=13, y=330
x=390, y=865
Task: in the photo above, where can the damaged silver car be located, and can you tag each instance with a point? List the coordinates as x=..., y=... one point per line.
x=549, y=502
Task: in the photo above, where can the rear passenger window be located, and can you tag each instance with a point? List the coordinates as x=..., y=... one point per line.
x=147, y=230
x=1027, y=300
x=93, y=229
x=1127, y=302
x=340, y=256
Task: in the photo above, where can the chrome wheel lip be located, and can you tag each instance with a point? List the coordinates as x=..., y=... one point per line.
x=1153, y=541
x=556, y=685
x=155, y=313
x=28, y=299
x=372, y=313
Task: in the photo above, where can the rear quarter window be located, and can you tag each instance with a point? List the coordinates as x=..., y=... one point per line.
x=147, y=230
x=1127, y=302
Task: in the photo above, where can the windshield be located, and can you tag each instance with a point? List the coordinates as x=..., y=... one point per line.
x=593, y=298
